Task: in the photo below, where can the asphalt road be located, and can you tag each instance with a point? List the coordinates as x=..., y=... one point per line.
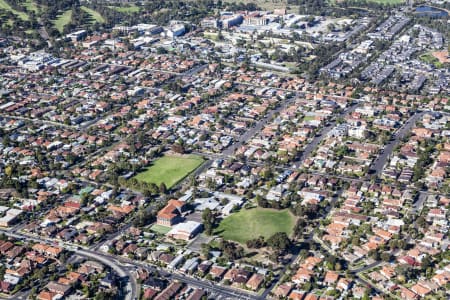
x=197, y=282
x=116, y=262
x=322, y=134
x=131, y=287
x=194, y=70
x=38, y=121
x=377, y=165
x=256, y=128
x=111, y=236
x=418, y=205
x=368, y=284
x=213, y=287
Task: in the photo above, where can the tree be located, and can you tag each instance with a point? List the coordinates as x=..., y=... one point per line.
x=206, y=248
x=405, y=271
x=208, y=221
x=177, y=148
x=385, y=256
x=33, y=292
x=421, y=222
x=147, y=193
x=162, y=188
x=144, y=217
x=402, y=244
x=279, y=241
x=374, y=254
x=262, y=202
x=107, y=294
x=299, y=227
x=366, y=295
x=8, y=171
x=256, y=243
x=2, y=271
x=6, y=140
x=161, y=50
x=426, y=262
x=231, y=251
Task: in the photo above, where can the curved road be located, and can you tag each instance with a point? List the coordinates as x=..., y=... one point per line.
x=131, y=288
x=230, y=292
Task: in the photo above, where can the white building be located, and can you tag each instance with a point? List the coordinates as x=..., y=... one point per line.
x=176, y=30
x=185, y=231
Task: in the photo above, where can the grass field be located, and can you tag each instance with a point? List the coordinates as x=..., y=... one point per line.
x=430, y=59
x=4, y=5
x=308, y=118
x=63, y=20
x=170, y=170
x=160, y=229
x=126, y=9
x=95, y=15
x=248, y=224
x=211, y=35
x=31, y=6
x=390, y=2
x=269, y=4
x=385, y=2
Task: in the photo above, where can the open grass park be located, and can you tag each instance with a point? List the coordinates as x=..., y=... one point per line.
x=170, y=169
x=96, y=17
x=126, y=9
x=251, y=223
x=4, y=5
x=62, y=20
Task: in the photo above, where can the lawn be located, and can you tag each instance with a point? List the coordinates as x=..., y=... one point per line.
x=126, y=9
x=4, y=5
x=95, y=15
x=160, y=229
x=30, y=5
x=211, y=35
x=385, y=2
x=170, y=169
x=308, y=118
x=430, y=59
x=62, y=20
x=388, y=2
x=269, y=4
x=248, y=224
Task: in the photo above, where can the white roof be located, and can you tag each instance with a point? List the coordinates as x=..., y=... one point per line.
x=204, y=203
x=184, y=228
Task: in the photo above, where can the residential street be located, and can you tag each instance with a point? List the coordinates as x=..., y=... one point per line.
x=379, y=162
x=255, y=129
x=131, y=289
x=209, y=150
x=322, y=134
